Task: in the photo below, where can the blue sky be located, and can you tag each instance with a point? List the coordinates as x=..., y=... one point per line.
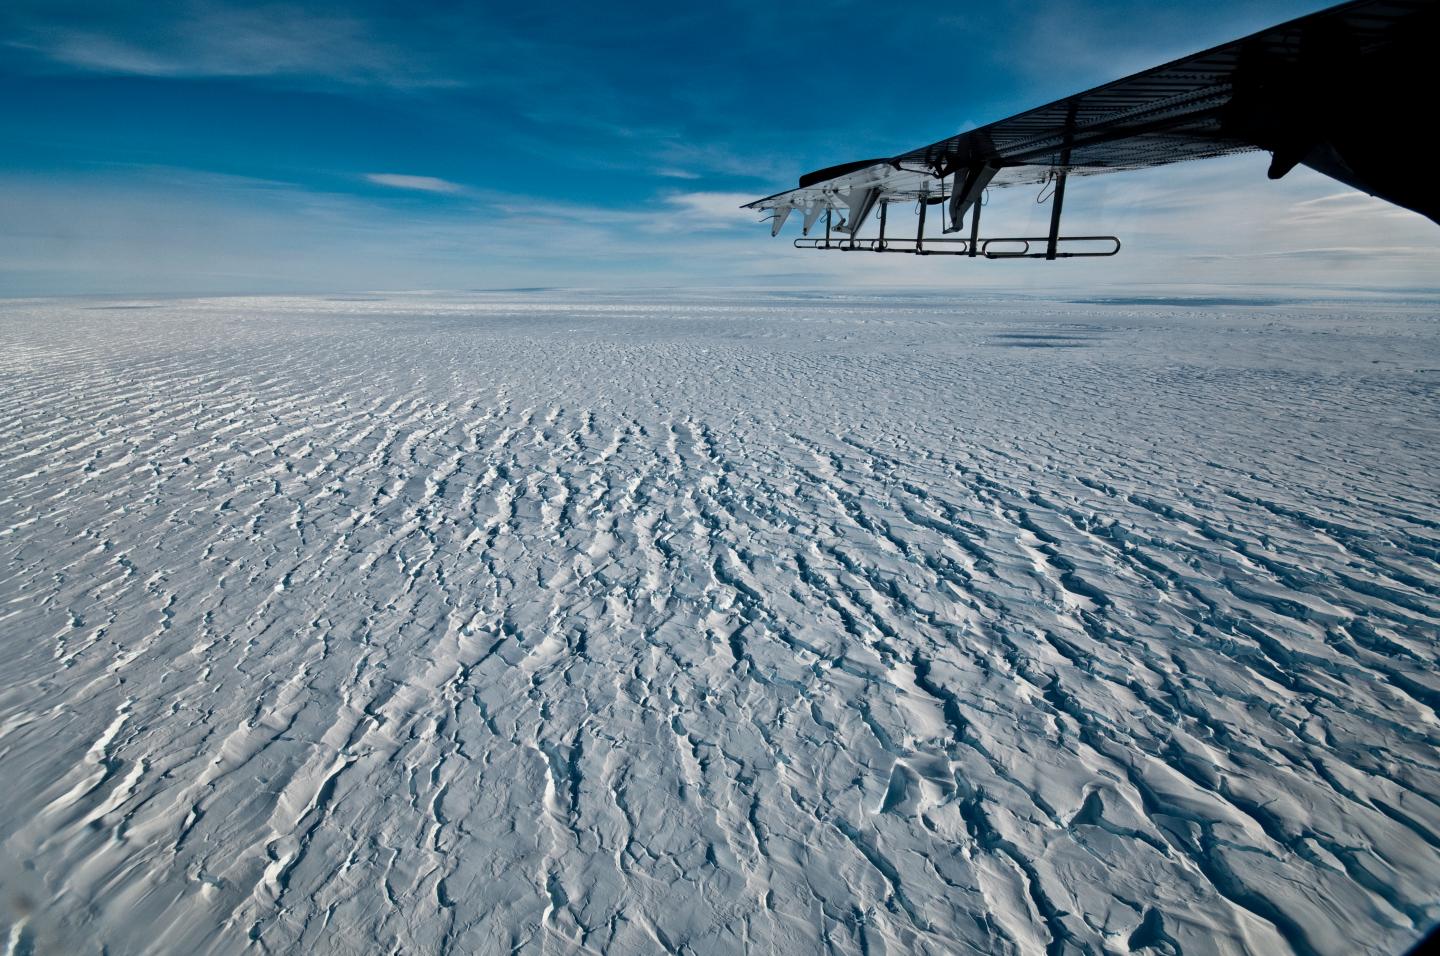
x=212, y=146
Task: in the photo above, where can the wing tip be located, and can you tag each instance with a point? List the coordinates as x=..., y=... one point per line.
x=832, y=172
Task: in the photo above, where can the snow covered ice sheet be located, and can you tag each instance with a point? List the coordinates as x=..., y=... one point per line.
x=788, y=624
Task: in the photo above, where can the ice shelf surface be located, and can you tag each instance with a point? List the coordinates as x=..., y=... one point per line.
x=555, y=622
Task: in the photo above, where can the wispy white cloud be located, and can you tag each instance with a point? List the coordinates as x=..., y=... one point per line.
x=1205, y=226
x=209, y=38
x=677, y=213
x=673, y=151
x=153, y=230
x=1348, y=196
x=711, y=209
x=1320, y=254
x=424, y=184
x=1062, y=46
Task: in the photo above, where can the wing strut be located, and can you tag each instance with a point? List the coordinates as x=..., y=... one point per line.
x=966, y=193
x=974, y=246
x=1059, y=198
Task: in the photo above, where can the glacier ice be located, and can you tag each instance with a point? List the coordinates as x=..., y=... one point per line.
x=554, y=622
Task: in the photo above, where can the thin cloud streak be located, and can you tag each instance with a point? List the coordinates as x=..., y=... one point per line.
x=204, y=38
x=424, y=184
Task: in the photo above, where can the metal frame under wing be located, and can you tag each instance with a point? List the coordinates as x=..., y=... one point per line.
x=1283, y=89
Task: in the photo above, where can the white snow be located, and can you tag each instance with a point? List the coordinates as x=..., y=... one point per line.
x=781, y=623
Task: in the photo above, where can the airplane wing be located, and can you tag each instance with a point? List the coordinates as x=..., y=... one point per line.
x=1349, y=91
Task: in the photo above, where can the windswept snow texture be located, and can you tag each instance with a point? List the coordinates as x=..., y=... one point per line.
x=775, y=624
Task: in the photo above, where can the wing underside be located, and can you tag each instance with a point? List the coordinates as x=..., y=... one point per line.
x=1268, y=91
